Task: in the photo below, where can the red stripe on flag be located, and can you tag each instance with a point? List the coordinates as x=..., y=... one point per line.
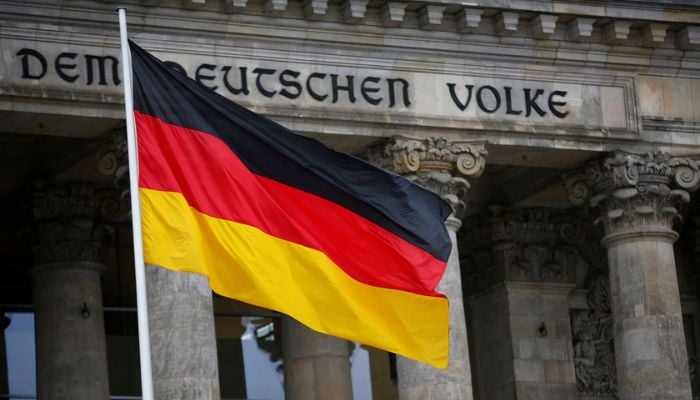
x=215, y=182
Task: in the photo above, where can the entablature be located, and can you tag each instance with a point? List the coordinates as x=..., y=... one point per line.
x=518, y=77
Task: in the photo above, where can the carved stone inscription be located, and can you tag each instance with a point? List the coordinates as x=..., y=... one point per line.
x=488, y=99
x=238, y=81
x=379, y=90
x=291, y=84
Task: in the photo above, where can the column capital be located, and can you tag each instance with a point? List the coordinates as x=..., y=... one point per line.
x=407, y=156
x=435, y=163
x=633, y=193
x=66, y=223
x=113, y=159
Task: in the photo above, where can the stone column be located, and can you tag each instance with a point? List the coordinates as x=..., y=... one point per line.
x=71, y=355
x=636, y=198
x=183, y=339
x=180, y=311
x=316, y=366
x=441, y=166
x=519, y=267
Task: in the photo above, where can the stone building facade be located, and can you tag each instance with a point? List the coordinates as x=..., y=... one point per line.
x=564, y=134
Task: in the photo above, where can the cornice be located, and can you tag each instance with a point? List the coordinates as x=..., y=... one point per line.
x=547, y=24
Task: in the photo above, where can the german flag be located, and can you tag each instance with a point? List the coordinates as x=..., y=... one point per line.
x=280, y=221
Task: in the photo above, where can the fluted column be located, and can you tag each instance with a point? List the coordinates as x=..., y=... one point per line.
x=441, y=166
x=180, y=313
x=637, y=198
x=70, y=337
x=316, y=366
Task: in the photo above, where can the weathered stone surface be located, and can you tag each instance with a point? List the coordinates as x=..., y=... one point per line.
x=316, y=366
x=67, y=223
x=314, y=9
x=533, y=244
x=617, y=31
x=669, y=97
x=533, y=391
x=468, y=19
x=580, y=28
x=113, y=159
x=637, y=199
x=651, y=356
x=71, y=355
x=441, y=166
x=70, y=337
x=597, y=75
x=443, y=96
x=434, y=163
x=507, y=21
x=543, y=25
x=519, y=267
x=594, y=350
x=635, y=193
x=183, y=343
x=393, y=13
x=354, y=10
x=275, y=7
x=654, y=34
x=430, y=16
x=516, y=341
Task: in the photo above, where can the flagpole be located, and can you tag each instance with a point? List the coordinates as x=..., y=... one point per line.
x=140, y=270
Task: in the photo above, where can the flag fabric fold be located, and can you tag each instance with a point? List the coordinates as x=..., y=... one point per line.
x=280, y=221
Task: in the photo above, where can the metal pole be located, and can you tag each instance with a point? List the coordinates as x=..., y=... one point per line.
x=140, y=270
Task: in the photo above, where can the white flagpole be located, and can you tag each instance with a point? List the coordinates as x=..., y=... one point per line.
x=141, y=299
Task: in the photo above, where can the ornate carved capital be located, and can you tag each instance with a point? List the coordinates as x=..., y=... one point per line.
x=634, y=191
x=74, y=200
x=435, y=163
x=69, y=241
x=66, y=223
x=535, y=244
x=113, y=159
x=544, y=225
x=407, y=156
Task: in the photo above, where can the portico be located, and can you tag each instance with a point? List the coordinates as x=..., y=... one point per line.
x=564, y=137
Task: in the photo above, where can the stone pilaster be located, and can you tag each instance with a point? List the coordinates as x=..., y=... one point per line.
x=636, y=198
x=70, y=338
x=519, y=267
x=441, y=166
x=180, y=307
x=316, y=366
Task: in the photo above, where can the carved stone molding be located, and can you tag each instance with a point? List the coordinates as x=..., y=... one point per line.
x=434, y=163
x=634, y=192
x=533, y=245
x=67, y=223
